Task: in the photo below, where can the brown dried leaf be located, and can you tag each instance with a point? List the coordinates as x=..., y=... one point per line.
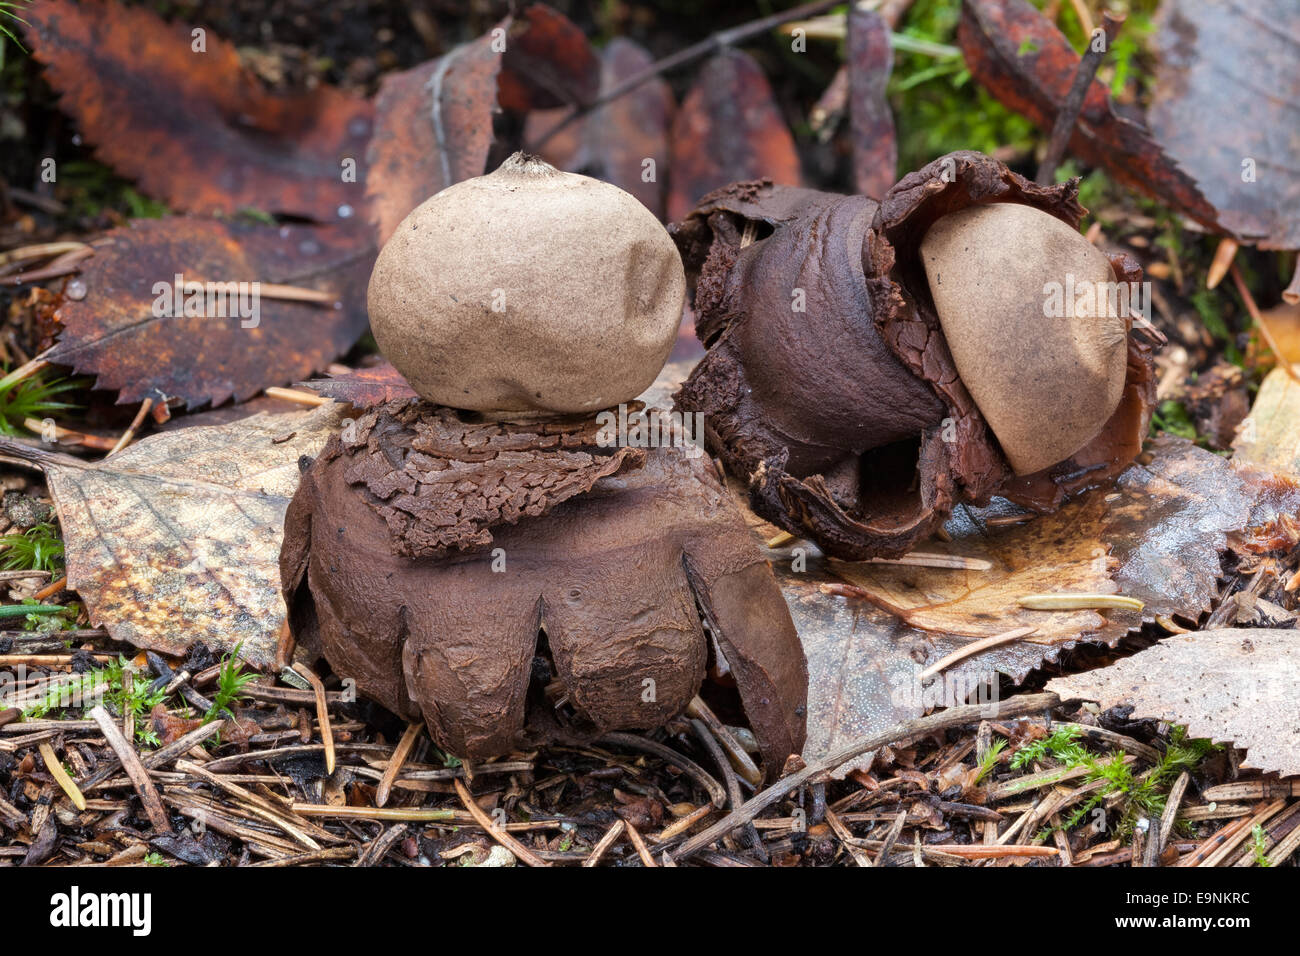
x=1270, y=435
x=364, y=387
x=1025, y=61
x=1158, y=533
x=196, y=129
x=1212, y=112
x=1235, y=685
x=612, y=142
x=177, y=538
x=547, y=63
x=115, y=333
x=728, y=129
x=433, y=128
x=871, y=123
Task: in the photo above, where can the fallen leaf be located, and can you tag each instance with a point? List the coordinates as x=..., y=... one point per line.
x=871, y=123
x=613, y=142
x=547, y=63
x=364, y=387
x=1270, y=434
x=1235, y=685
x=433, y=128
x=1020, y=57
x=193, y=127
x=728, y=129
x=176, y=539
x=116, y=332
x=1235, y=130
x=1158, y=533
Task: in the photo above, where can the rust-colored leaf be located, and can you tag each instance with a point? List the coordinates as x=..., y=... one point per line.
x=728, y=129
x=613, y=143
x=194, y=128
x=364, y=387
x=1026, y=62
x=433, y=128
x=547, y=63
x=176, y=539
x=115, y=331
x=1235, y=130
x=871, y=124
x=1235, y=685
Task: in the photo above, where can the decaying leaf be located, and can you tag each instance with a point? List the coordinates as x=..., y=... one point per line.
x=1020, y=57
x=1235, y=130
x=1156, y=536
x=433, y=128
x=193, y=127
x=128, y=330
x=547, y=62
x=728, y=129
x=177, y=538
x=613, y=142
x=871, y=123
x=1270, y=435
x=364, y=387
x=1236, y=685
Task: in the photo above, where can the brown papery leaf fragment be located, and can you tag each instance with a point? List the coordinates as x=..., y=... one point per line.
x=729, y=128
x=547, y=62
x=613, y=142
x=117, y=333
x=1234, y=128
x=433, y=128
x=364, y=387
x=1236, y=685
x=176, y=539
x=871, y=123
x=1020, y=57
x=195, y=128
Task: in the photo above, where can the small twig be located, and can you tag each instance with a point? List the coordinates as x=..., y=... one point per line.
x=739, y=757
x=641, y=849
x=1068, y=115
x=93, y=442
x=1078, y=601
x=717, y=793
x=380, y=846
x=51, y=589
x=1258, y=319
x=402, y=814
x=41, y=250
x=298, y=396
x=294, y=293
x=322, y=714
x=134, y=769
x=899, y=733
x=978, y=647
x=136, y=422
x=1224, y=255
x=400, y=753
x=604, y=843
x=498, y=834
x=61, y=776
x=23, y=371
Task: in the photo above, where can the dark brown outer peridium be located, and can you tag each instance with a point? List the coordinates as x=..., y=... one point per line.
x=619, y=579
x=819, y=437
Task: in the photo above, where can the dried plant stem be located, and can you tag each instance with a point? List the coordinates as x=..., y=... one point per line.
x=498, y=834
x=136, y=422
x=1068, y=115
x=1258, y=319
x=295, y=395
x=322, y=713
x=400, y=754
x=61, y=776
x=978, y=647
x=134, y=769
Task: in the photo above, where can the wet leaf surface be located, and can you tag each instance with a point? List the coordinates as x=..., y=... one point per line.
x=1235, y=685
x=1219, y=116
x=176, y=539
x=1026, y=62
x=728, y=129
x=548, y=62
x=433, y=128
x=364, y=387
x=116, y=333
x=196, y=129
x=613, y=142
x=871, y=122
